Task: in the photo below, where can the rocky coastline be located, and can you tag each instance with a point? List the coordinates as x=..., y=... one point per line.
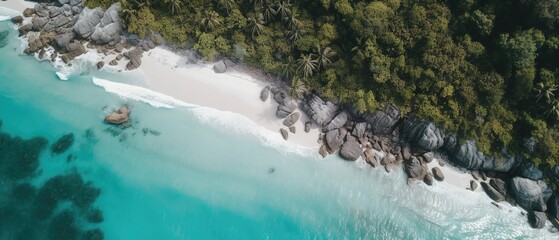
x=389, y=140
x=66, y=29
x=383, y=138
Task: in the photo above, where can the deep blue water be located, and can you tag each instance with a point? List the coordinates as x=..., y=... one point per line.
x=197, y=173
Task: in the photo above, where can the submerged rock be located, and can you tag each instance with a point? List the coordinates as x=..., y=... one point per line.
x=120, y=116
x=63, y=144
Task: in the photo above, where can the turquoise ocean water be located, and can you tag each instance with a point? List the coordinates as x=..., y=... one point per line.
x=197, y=173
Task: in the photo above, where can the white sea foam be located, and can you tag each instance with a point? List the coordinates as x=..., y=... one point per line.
x=141, y=94
x=7, y=13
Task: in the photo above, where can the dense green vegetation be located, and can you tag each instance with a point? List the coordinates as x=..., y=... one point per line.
x=486, y=70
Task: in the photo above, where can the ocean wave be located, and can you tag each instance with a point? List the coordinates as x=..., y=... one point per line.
x=141, y=94
x=240, y=125
x=7, y=13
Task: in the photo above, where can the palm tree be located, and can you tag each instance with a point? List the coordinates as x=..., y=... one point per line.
x=268, y=11
x=210, y=19
x=296, y=34
x=282, y=7
x=176, y=5
x=256, y=23
x=293, y=19
x=553, y=110
x=288, y=69
x=307, y=65
x=545, y=92
x=227, y=5
x=324, y=56
x=298, y=88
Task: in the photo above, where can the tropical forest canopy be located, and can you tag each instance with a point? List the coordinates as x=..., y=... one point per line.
x=486, y=70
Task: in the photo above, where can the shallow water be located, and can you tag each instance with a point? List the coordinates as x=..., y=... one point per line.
x=190, y=172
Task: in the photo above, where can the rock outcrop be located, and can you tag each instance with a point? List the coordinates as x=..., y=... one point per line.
x=337, y=122
x=414, y=169
x=423, y=136
x=350, y=150
x=291, y=119
x=318, y=110
x=537, y=219
x=285, y=108
x=438, y=174
x=529, y=194
x=334, y=140
x=284, y=134
x=120, y=116
x=383, y=122
x=492, y=193
x=87, y=20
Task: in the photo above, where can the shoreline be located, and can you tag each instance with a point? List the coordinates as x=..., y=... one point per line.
x=235, y=91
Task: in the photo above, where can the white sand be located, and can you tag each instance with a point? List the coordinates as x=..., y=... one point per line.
x=18, y=5
x=233, y=91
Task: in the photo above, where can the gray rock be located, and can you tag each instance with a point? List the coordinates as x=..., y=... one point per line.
x=383, y=122
x=308, y=127
x=58, y=22
x=475, y=175
x=473, y=185
x=76, y=10
x=492, y=193
x=75, y=49
x=265, y=93
x=338, y=122
x=553, y=208
x=285, y=109
x=428, y=157
x=292, y=129
x=406, y=153
x=62, y=2
x=323, y=151
x=76, y=2
x=414, y=169
x=351, y=150
x=284, y=133
x=55, y=11
x=537, y=219
x=38, y=23
x=438, y=174
x=118, y=57
x=529, y=194
x=499, y=185
x=220, y=67
x=113, y=62
x=100, y=64
x=334, y=140
x=67, y=10
x=135, y=56
x=62, y=40
x=87, y=20
x=468, y=156
x=279, y=95
x=318, y=110
x=41, y=9
x=421, y=135
x=28, y=12
x=428, y=179
x=359, y=130
x=110, y=15
x=109, y=34
x=370, y=157
x=17, y=19
x=291, y=119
